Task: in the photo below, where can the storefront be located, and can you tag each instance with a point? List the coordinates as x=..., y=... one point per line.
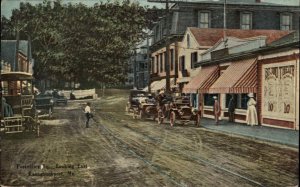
x=237, y=80
x=198, y=87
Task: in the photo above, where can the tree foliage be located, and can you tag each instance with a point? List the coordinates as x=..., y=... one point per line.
x=77, y=42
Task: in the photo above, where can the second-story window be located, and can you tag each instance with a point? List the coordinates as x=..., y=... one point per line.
x=194, y=58
x=285, y=21
x=203, y=19
x=161, y=62
x=172, y=59
x=157, y=63
x=246, y=20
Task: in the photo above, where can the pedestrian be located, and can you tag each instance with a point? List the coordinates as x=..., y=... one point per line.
x=88, y=114
x=251, y=111
x=231, y=108
x=216, y=109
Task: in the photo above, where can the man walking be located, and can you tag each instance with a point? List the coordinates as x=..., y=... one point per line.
x=88, y=114
x=216, y=109
x=231, y=108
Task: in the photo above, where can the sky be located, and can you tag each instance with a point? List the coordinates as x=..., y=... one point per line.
x=8, y=5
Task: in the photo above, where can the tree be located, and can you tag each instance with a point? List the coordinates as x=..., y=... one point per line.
x=80, y=43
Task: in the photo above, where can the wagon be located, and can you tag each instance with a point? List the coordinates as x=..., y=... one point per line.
x=181, y=111
x=18, y=113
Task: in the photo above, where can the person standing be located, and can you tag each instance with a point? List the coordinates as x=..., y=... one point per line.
x=88, y=114
x=216, y=109
x=231, y=108
x=251, y=111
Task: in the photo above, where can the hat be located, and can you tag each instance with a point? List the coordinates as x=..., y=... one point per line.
x=215, y=97
x=161, y=92
x=250, y=95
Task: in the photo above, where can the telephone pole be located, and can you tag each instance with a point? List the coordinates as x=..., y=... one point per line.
x=167, y=60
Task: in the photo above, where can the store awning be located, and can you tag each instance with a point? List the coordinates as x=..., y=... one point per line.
x=239, y=77
x=158, y=85
x=183, y=79
x=203, y=80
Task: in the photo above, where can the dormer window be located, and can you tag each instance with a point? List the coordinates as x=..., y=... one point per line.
x=203, y=19
x=285, y=21
x=246, y=20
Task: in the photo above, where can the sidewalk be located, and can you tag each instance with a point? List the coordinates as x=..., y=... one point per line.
x=276, y=135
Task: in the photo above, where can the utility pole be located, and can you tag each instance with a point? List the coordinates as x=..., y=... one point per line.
x=167, y=63
x=149, y=64
x=224, y=29
x=134, y=70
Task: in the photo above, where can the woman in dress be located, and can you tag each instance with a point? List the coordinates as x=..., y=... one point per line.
x=251, y=112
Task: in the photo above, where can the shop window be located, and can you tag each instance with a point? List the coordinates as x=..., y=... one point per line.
x=209, y=100
x=240, y=100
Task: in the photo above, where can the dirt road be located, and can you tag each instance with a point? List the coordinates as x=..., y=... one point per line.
x=120, y=151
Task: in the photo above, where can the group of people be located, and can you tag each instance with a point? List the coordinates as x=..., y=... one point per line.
x=251, y=117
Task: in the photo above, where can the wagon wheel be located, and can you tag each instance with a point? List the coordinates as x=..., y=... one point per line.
x=197, y=121
x=172, y=118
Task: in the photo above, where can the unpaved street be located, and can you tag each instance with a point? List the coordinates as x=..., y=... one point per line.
x=120, y=151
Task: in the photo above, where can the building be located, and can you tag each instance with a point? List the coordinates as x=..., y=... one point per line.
x=240, y=15
x=13, y=61
x=269, y=72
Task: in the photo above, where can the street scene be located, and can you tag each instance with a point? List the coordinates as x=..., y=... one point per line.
x=149, y=93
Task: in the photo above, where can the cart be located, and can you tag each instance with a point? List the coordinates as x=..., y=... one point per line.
x=180, y=110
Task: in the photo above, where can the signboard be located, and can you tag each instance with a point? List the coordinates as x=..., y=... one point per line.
x=279, y=90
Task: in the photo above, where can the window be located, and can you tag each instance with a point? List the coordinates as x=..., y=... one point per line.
x=286, y=21
x=188, y=42
x=172, y=59
x=152, y=64
x=194, y=58
x=157, y=63
x=203, y=19
x=246, y=20
x=161, y=62
x=209, y=100
x=240, y=100
x=182, y=63
x=165, y=60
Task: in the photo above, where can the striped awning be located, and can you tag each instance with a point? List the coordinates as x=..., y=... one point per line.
x=203, y=80
x=239, y=77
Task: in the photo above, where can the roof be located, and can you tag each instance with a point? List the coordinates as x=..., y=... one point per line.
x=203, y=80
x=8, y=50
x=239, y=77
x=210, y=36
x=236, y=2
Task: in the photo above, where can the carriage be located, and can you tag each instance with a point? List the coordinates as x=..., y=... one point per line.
x=18, y=111
x=141, y=105
x=180, y=110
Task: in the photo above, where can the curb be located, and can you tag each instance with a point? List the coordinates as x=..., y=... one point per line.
x=259, y=140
